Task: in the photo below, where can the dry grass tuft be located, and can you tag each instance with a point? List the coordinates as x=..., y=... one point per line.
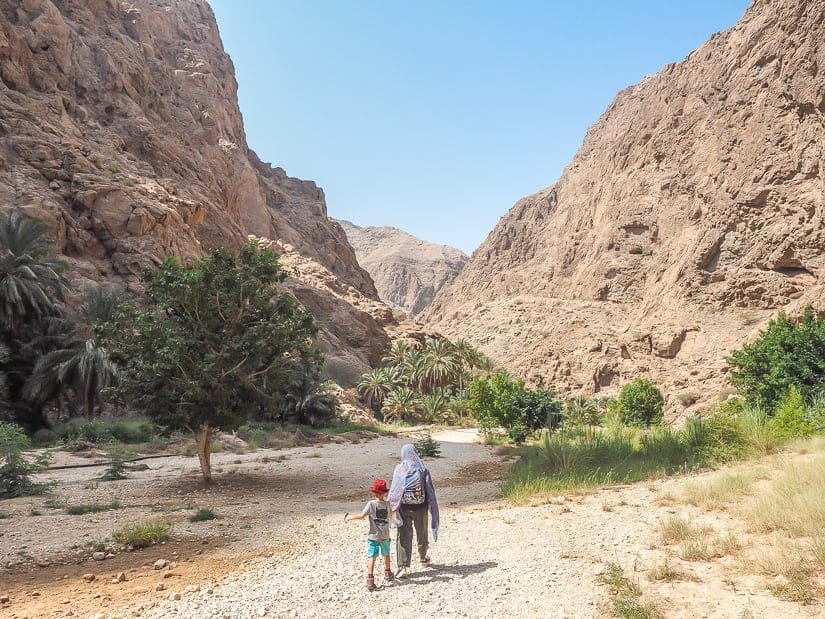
x=676, y=529
x=793, y=503
x=720, y=491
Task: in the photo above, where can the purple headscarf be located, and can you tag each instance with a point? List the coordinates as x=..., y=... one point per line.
x=407, y=476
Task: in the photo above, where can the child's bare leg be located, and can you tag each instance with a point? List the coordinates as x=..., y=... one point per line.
x=371, y=565
x=387, y=564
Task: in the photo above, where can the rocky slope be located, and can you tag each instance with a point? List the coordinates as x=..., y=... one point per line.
x=692, y=212
x=119, y=124
x=407, y=271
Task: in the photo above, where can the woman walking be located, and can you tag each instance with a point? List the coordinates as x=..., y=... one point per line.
x=411, y=497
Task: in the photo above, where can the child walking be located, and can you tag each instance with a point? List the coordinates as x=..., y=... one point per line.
x=378, y=541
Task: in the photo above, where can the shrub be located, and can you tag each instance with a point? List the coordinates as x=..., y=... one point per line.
x=788, y=352
x=142, y=534
x=518, y=432
x=15, y=470
x=505, y=402
x=93, y=508
x=582, y=411
x=790, y=418
x=203, y=513
x=105, y=430
x=428, y=447
x=639, y=403
x=116, y=467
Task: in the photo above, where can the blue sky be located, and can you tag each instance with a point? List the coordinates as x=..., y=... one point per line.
x=436, y=116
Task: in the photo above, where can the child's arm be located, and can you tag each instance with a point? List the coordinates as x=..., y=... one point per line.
x=349, y=517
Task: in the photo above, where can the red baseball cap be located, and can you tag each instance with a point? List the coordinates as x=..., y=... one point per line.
x=379, y=486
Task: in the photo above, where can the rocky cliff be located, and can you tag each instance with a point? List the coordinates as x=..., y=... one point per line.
x=407, y=271
x=692, y=212
x=119, y=124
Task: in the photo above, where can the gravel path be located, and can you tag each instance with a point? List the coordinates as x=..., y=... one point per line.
x=282, y=548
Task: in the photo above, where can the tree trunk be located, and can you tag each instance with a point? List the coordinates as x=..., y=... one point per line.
x=205, y=452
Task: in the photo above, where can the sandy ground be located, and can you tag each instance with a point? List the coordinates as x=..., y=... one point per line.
x=281, y=548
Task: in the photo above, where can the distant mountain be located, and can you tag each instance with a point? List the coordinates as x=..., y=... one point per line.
x=407, y=271
x=693, y=211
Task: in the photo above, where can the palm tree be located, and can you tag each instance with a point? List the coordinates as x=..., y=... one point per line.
x=30, y=278
x=4, y=389
x=487, y=366
x=80, y=363
x=582, y=410
x=435, y=405
x=439, y=363
x=397, y=353
x=412, y=370
x=308, y=401
x=466, y=357
x=400, y=403
x=101, y=303
x=375, y=385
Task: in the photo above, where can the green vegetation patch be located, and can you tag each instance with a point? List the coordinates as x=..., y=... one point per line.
x=142, y=534
x=92, y=508
x=203, y=513
x=626, y=596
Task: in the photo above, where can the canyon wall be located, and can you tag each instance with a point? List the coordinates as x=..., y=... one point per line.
x=692, y=212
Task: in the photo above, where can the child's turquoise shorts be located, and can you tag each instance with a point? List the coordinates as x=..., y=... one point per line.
x=374, y=546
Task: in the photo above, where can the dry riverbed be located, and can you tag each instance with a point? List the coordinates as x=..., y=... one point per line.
x=280, y=547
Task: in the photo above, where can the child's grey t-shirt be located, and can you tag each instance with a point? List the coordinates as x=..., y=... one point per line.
x=379, y=516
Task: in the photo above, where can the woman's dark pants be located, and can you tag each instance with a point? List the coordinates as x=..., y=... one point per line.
x=413, y=516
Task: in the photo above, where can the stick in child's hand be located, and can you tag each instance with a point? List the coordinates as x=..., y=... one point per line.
x=346, y=516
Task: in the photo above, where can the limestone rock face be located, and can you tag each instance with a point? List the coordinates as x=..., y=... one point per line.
x=407, y=271
x=119, y=125
x=692, y=212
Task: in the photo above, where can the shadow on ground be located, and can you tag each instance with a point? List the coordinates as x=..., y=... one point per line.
x=445, y=573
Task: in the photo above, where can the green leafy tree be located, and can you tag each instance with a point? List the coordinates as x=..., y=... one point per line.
x=219, y=343
x=639, y=403
x=788, y=352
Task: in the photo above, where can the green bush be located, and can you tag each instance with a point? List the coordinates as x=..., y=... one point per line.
x=142, y=534
x=203, y=513
x=504, y=402
x=639, y=403
x=15, y=470
x=428, y=447
x=518, y=432
x=787, y=353
x=790, y=419
x=106, y=430
x=116, y=466
x=92, y=508
x=582, y=410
